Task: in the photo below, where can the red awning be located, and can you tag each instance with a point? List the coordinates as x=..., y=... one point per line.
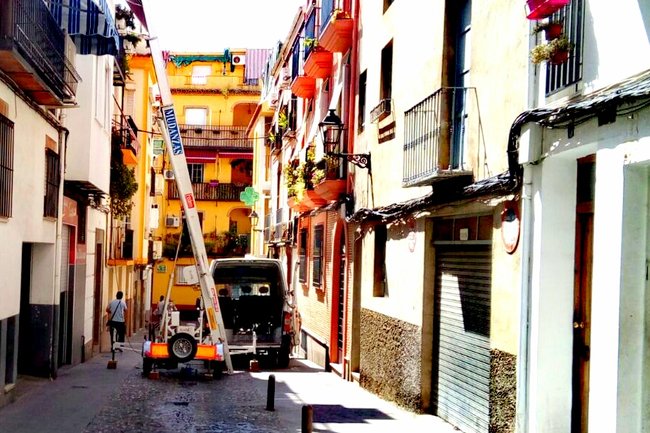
x=237, y=155
x=197, y=156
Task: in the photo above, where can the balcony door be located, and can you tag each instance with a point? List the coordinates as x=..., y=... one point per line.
x=461, y=23
x=196, y=116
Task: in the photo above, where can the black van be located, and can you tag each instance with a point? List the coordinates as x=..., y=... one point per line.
x=256, y=307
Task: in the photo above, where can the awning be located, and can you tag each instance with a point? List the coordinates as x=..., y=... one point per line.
x=238, y=155
x=198, y=156
x=89, y=23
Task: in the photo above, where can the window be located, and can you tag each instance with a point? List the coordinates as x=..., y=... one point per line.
x=569, y=72
x=196, y=172
x=196, y=116
x=200, y=74
x=380, y=287
x=386, y=78
x=6, y=165
x=302, y=256
x=317, y=256
x=362, y=101
x=52, y=180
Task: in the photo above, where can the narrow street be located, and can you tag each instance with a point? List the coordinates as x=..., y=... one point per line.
x=91, y=398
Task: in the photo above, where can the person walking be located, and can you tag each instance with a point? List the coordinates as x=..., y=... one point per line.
x=116, y=322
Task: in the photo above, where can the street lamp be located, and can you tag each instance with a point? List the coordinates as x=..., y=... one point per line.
x=331, y=128
x=254, y=219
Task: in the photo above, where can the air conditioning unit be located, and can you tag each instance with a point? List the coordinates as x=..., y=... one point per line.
x=169, y=174
x=172, y=221
x=238, y=59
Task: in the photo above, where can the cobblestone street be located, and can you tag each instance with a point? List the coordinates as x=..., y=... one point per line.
x=91, y=398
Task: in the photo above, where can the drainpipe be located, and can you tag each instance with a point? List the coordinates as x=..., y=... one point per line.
x=56, y=318
x=354, y=67
x=527, y=218
x=525, y=297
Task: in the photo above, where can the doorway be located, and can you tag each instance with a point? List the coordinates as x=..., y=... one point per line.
x=582, y=293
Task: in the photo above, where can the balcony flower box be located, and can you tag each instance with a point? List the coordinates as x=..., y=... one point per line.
x=318, y=63
x=330, y=189
x=303, y=86
x=539, y=9
x=297, y=205
x=312, y=200
x=337, y=34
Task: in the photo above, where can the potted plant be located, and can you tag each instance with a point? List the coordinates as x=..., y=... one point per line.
x=554, y=52
x=552, y=29
x=283, y=120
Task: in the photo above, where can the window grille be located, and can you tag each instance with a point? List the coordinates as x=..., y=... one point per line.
x=570, y=72
x=52, y=181
x=6, y=165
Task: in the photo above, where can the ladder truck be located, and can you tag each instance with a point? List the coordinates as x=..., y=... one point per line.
x=182, y=343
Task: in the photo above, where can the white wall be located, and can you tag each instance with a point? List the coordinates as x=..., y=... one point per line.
x=27, y=223
x=552, y=295
x=609, y=28
x=89, y=144
x=404, y=273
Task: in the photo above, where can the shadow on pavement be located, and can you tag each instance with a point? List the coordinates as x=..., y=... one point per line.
x=335, y=413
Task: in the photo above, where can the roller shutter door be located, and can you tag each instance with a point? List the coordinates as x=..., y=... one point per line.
x=462, y=385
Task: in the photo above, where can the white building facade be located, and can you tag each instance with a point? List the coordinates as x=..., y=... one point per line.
x=584, y=148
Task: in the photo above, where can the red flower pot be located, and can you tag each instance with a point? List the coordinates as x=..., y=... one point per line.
x=559, y=57
x=553, y=31
x=538, y=9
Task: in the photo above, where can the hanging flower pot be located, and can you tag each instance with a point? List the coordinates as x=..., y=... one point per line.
x=552, y=29
x=559, y=57
x=554, y=52
x=539, y=9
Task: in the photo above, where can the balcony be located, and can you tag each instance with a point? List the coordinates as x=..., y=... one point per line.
x=210, y=191
x=381, y=111
x=222, y=138
x=319, y=63
x=439, y=134
x=336, y=34
x=218, y=84
x=37, y=54
x=303, y=86
x=125, y=136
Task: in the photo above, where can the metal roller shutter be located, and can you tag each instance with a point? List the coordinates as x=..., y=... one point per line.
x=463, y=297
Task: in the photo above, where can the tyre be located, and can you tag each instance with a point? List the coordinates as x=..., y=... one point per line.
x=283, y=353
x=147, y=365
x=182, y=347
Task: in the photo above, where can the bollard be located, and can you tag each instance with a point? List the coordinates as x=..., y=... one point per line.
x=270, y=393
x=307, y=418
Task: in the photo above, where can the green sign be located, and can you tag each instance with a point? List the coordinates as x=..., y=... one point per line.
x=249, y=196
x=158, y=146
x=161, y=268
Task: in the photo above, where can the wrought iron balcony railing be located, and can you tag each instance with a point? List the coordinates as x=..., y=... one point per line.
x=439, y=133
x=207, y=191
x=216, y=137
x=33, y=51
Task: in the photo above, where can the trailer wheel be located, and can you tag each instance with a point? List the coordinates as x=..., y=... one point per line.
x=182, y=347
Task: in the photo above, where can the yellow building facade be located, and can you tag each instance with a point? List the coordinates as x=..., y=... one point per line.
x=214, y=97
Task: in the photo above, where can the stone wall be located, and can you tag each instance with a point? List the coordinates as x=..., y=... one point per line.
x=390, y=362
x=503, y=391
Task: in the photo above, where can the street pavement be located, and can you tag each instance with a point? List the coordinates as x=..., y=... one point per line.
x=91, y=398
